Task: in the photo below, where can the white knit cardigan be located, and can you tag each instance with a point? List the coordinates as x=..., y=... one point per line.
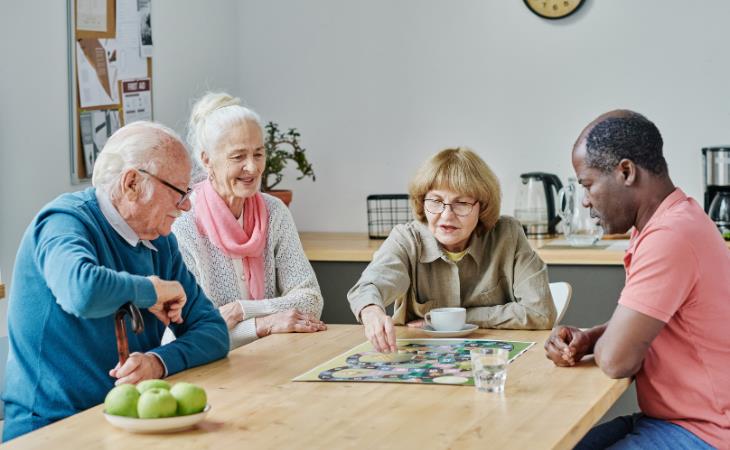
x=289, y=283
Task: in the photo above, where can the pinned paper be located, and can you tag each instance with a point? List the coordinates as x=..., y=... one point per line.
x=91, y=15
x=96, y=128
x=136, y=100
x=97, y=73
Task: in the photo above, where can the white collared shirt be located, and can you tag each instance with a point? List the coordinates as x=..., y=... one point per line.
x=110, y=213
x=118, y=223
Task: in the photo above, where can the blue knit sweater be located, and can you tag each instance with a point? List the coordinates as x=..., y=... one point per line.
x=72, y=273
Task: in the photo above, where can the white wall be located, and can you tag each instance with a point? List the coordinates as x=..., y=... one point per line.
x=196, y=43
x=34, y=155
x=377, y=86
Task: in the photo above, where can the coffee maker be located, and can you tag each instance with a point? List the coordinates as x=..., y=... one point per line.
x=536, y=206
x=716, y=172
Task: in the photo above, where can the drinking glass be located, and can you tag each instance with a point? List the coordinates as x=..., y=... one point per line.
x=489, y=367
x=581, y=230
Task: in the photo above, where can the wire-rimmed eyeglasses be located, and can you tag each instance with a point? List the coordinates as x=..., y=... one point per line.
x=437, y=207
x=184, y=195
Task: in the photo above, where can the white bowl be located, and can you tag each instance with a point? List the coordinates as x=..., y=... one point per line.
x=163, y=425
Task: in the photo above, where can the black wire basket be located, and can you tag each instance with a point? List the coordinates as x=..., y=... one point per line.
x=386, y=211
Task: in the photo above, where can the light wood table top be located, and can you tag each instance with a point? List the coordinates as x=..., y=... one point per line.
x=357, y=247
x=256, y=405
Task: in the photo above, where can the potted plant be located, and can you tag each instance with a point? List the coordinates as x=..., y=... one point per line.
x=282, y=147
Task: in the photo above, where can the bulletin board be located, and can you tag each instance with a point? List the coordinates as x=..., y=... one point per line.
x=110, y=74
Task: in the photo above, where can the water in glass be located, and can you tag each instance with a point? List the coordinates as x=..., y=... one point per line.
x=489, y=367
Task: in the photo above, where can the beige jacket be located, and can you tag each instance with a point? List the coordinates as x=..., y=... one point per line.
x=500, y=281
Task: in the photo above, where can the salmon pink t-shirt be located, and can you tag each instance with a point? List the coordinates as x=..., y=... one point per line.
x=678, y=271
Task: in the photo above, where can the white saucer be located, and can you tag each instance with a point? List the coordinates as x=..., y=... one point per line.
x=165, y=425
x=465, y=330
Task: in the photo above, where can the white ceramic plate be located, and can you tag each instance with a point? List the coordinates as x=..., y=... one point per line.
x=164, y=425
x=465, y=330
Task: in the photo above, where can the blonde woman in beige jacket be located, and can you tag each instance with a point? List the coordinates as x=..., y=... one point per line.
x=458, y=252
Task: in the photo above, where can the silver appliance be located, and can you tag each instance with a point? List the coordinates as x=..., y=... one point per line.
x=535, y=206
x=716, y=177
x=716, y=172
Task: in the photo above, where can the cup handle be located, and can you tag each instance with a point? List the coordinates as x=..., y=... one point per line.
x=427, y=319
x=561, y=209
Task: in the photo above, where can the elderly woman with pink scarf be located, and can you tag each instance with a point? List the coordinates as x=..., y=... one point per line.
x=242, y=245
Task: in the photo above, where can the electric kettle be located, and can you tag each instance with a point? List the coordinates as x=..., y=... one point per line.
x=535, y=206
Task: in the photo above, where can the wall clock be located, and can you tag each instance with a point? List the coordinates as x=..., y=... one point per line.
x=553, y=9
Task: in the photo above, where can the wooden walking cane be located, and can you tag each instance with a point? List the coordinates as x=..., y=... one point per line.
x=121, y=330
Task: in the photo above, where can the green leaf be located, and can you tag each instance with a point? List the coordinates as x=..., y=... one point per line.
x=282, y=147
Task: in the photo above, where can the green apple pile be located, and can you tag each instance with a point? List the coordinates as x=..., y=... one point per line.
x=154, y=399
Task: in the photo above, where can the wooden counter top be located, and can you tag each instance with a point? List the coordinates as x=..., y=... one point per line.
x=357, y=247
x=256, y=405
x=581, y=256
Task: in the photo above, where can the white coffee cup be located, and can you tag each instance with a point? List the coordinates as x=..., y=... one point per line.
x=446, y=319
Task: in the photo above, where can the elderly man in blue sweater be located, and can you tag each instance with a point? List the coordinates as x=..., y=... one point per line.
x=87, y=254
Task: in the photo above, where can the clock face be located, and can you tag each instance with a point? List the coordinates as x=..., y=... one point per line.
x=553, y=9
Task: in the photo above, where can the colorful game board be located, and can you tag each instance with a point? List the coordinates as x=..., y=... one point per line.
x=439, y=361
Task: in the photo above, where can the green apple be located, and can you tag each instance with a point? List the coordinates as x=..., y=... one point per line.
x=122, y=401
x=155, y=403
x=191, y=399
x=148, y=384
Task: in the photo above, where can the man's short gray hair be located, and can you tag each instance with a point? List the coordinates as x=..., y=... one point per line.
x=138, y=145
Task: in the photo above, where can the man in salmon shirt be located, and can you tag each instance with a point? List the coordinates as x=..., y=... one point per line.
x=670, y=328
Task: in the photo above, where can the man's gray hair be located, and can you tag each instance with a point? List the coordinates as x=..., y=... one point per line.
x=138, y=145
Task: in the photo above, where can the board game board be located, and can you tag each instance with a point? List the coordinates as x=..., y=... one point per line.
x=439, y=361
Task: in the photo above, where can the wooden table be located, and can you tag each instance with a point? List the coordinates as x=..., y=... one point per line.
x=255, y=405
x=2, y=290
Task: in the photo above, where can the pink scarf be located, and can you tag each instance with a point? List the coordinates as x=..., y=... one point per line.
x=214, y=219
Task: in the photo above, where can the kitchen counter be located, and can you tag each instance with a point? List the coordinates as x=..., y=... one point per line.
x=357, y=247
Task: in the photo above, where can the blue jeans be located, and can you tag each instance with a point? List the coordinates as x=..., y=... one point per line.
x=640, y=432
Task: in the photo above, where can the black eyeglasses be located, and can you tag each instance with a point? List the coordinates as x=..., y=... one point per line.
x=184, y=195
x=459, y=208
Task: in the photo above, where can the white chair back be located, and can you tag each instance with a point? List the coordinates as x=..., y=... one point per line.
x=561, y=292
